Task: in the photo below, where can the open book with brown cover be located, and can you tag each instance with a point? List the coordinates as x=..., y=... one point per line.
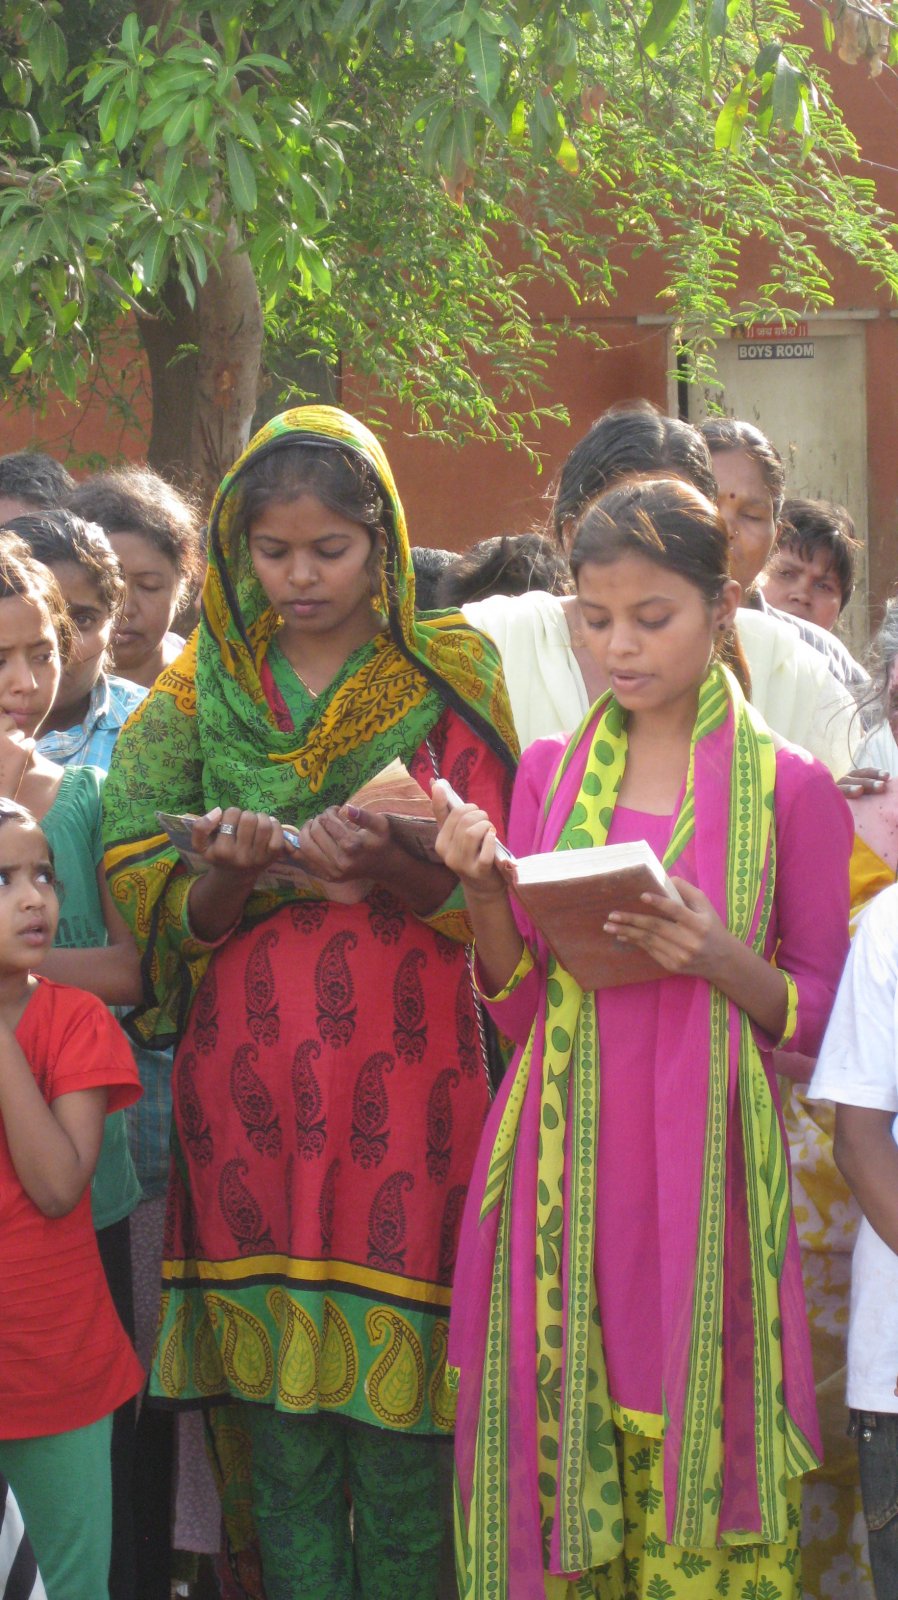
x=568, y=895
x=392, y=793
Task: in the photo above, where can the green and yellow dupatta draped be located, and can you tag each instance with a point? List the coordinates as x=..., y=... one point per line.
x=207, y=736
x=527, y=1254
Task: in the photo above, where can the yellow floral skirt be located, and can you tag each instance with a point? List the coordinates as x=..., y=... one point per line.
x=652, y=1569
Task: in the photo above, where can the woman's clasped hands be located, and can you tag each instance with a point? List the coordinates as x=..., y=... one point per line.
x=344, y=843
x=341, y=844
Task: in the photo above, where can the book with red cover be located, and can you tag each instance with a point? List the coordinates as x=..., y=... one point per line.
x=568, y=895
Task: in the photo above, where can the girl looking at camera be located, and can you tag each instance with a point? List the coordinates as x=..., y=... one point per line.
x=65, y=1361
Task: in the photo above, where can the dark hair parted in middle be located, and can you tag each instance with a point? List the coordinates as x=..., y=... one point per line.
x=54, y=537
x=727, y=433
x=670, y=522
x=23, y=578
x=629, y=439
x=341, y=480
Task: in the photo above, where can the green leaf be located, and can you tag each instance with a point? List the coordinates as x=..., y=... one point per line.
x=567, y=157
x=433, y=135
x=39, y=55
x=131, y=34
x=716, y=18
x=484, y=58
x=241, y=177
x=829, y=31
x=662, y=20
x=201, y=112
x=23, y=364
x=197, y=258
x=171, y=172
x=767, y=58
x=97, y=82
x=152, y=260
x=127, y=124
x=731, y=121
x=178, y=125
x=26, y=125
x=786, y=93
x=345, y=20
x=107, y=114
x=158, y=111
x=58, y=49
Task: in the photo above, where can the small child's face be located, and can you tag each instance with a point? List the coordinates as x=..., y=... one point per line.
x=803, y=586
x=29, y=663
x=92, y=621
x=29, y=908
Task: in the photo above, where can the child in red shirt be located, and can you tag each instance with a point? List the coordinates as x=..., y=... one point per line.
x=65, y=1361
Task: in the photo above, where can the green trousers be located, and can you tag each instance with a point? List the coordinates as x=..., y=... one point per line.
x=305, y=1473
x=63, y=1483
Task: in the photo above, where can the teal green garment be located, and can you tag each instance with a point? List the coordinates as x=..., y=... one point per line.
x=72, y=826
x=63, y=1483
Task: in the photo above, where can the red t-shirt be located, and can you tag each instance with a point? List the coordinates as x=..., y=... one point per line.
x=65, y=1360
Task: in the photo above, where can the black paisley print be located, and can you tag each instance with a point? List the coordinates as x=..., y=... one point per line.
x=409, y=1026
x=386, y=918
x=308, y=916
x=326, y=1205
x=262, y=1016
x=370, y=1112
x=466, y=1029
x=205, y=1014
x=195, y=1129
x=254, y=1104
x=452, y=1215
x=460, y=771
x=311, y=1124
x=439, y=1126
x=335, y=991
x=386, y=1224
x=241, y=1210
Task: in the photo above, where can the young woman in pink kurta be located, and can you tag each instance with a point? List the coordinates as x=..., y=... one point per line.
x=653, y=1445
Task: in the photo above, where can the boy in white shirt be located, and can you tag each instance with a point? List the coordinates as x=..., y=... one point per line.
x=858, y=1069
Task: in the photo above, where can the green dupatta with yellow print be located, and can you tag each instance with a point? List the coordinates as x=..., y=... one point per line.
x=539, y=1491
x=207, y=734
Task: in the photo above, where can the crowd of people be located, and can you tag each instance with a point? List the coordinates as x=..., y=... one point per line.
x=351, y=1248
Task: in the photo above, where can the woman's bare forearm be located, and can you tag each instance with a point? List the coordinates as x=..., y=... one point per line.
x=216, y=902
x=867, y=1157
x=111, y=972
x=496, y=936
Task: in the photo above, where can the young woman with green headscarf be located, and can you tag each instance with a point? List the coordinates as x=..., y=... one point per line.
x=330, y=1084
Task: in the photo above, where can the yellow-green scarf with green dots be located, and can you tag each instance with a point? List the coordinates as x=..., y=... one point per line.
x=725, y=1184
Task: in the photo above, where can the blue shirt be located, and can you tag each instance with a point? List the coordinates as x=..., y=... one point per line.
x=91, y=742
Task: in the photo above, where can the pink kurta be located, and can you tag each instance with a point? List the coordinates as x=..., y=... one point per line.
x=808, y=930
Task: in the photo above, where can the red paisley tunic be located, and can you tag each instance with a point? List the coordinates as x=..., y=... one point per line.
x=328, y=1100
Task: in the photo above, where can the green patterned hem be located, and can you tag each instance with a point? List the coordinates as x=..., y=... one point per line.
x=304, y=1351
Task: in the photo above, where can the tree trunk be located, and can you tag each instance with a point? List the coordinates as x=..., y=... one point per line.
x=172, y=383
x=228, y=365
x=204, y=400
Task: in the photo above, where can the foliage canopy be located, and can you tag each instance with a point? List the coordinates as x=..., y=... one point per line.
x=401, y=173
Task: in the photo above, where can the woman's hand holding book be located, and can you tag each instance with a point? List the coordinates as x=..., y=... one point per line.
x=683, y=937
